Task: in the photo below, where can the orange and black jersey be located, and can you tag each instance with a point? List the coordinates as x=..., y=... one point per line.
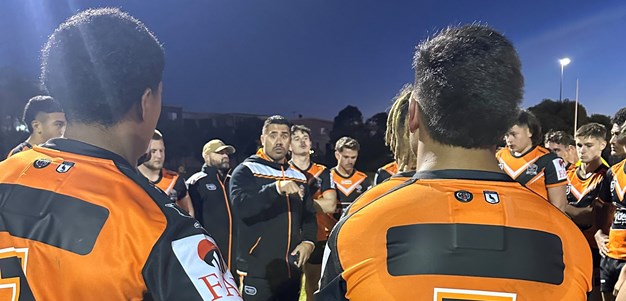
x=208, y=190
x=613, y=190
x=349, y=188
x=538, y=169
x=385, y=172
x=80, y=223
x=172, y=184
x=455, y=235
x=319, y=180
x=20, y=148
x=582, y=192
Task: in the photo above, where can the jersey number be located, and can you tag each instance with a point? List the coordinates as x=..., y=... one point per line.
x=445, y=294
x=13, y=283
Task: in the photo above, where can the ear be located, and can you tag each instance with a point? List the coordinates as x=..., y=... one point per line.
x=414, y=121
x=603, y=145
x=36, y=126
x=337, y=155
x=262, y=140
x=150, y=103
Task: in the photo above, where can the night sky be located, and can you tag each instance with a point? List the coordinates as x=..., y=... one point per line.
x=314, y=57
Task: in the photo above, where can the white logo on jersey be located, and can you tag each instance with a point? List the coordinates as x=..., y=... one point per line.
x=559, y=166
x=203, y=264
x=249, y=290
x=491, y=197
x=65, y=167
x=532, y=169
x=211, y=187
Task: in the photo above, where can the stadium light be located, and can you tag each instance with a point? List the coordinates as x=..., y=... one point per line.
x=564, y=62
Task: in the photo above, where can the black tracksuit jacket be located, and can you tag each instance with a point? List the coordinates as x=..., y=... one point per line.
x=269, y=225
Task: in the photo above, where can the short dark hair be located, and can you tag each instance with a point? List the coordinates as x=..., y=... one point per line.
x=300, y=128
x=36, y=105
x=529, y=120
x=560, y=137
x=468, y=83
x=276, y=119
x=99, y=63
x=621, y=137
x=593, y=129
x=347, y=142
x=620, y=117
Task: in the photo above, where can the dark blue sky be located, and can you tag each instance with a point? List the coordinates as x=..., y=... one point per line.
x=314, y=57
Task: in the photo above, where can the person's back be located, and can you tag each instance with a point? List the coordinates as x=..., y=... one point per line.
x=460, y=229
x=487, y=231
x=67, y=229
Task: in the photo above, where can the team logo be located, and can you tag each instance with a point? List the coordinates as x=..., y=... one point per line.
x=65, y=167
x=41, y=163
x=491, y=197
x=210, y=254
x=463, y=196
x=359, y=189
x=249, y=290
x=532, y=169
x=501, y=165
x=211, y=187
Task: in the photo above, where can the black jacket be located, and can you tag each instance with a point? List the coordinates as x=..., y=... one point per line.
x=208, y=191
x=270, y=225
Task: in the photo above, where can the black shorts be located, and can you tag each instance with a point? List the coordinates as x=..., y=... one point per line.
x=609, y=272
x=318, y=253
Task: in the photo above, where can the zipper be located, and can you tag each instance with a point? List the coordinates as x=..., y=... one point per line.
x=230, y=222
x=288, y=227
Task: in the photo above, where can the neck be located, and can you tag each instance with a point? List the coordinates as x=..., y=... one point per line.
x=151, y=174
x=301, y=161
x=435, y=156
x=35, y=140
x=116, y=139
x=344, y=172
x=591, y=166
x=525, y=150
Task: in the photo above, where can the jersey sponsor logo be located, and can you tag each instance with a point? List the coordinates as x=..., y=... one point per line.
x=559, y=166
x=446, y=294
x=203, y=263
x=249, y=290
x=41, y=163
x=491, y=197
x=619, y=219
x=532, y=169
x=463, y=196
x=65, y=167
x=211, y=187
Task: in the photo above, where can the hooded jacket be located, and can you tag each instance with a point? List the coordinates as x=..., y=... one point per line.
x=270, y=225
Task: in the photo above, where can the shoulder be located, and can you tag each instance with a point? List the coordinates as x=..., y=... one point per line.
x=294, y=174
x=196, y=177
x=169, y=173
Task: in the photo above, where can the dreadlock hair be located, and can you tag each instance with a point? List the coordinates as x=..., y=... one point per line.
x=397, y=134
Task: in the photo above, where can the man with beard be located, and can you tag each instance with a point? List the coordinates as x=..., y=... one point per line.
x=208, y=190
x=275, y=217
x=168, y=181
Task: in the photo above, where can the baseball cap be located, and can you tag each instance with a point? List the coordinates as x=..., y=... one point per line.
x=215, y=146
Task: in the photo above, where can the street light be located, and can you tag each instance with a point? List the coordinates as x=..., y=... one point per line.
x=564, y=62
